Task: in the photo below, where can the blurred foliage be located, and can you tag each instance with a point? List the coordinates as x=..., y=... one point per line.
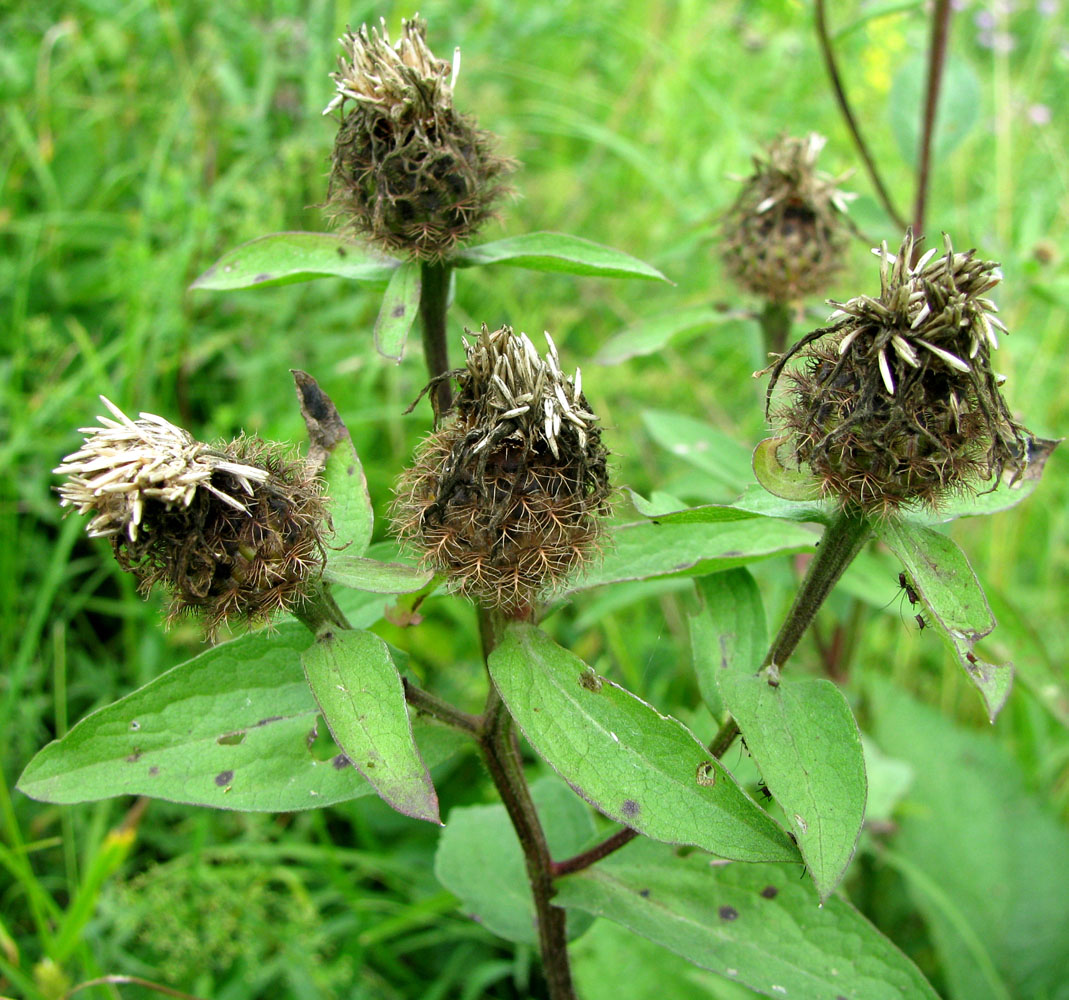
x=142, y=140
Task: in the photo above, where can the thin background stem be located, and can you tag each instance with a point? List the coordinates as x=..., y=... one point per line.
x=937, y=49
x=848, y=114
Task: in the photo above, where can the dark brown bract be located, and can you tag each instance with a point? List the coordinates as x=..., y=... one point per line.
x=897, y=403
x=233, y=532
x=506, y=497
x=785, y=235
x=408, y=171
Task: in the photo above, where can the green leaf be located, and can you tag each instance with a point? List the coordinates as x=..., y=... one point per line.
x=478, y=840
x=356, y=684
x=757, y=500
x=944, y=581
x=959, y=106
x=651, y=334
x=703, y=446
x=610, y=962
x=800, y=733
x=284, y=258
x=780, y=476
x=354, y=571
x=557, y=252
x=732, y=637
x=984, y=856
x=758, y=925
x=351, y=512
x=229, y=729
x=1007, y=494
x=655, y=508
x=645, y=549
x=639, y=767
x=400, y=305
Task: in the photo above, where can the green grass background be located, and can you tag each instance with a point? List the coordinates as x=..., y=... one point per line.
x=139, y=140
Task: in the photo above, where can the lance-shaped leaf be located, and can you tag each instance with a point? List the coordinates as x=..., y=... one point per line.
x=758, y=925
x=378, y=577
x=399, y=307
x=944, y=581
x=331, y=449
x=557, y=252
x=356, y=684
x=481, y=839
x=284, y=258
x=639, y=767
x=232, y=728
x=800, y=733
x=648, y=549
x=712, y=451
x=650, y=335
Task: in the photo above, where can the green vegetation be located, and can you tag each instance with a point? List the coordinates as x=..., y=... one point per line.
x=142, y=141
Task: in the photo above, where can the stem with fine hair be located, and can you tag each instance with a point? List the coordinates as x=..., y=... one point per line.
x=433, y=304
x=848, y=115
x=498, y=744
x=843, y=539
x=936, y=64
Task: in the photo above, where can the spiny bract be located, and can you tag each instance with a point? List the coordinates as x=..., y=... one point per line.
x=785, y=235
x=897, y=403
x=408, y=171
x=506, y=497
x=233, y=532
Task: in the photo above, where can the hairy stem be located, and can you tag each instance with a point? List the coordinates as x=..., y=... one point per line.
x=936, y=64
x=433, y=303
x=843, y=539
x=776, y=326
x=501, y=753
x=848, y=116
x=426, y=703
x=318, y=610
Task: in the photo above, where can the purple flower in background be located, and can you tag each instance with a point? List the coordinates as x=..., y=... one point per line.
x=1039, y=114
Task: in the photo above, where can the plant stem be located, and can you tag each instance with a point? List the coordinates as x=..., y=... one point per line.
x=936, y=64
x=848, y=115
x=318, y=610
x=433, y=303
x=428, y=704
x=584, y=860
x=776, y=326
x=843, y=539
x=498, y=744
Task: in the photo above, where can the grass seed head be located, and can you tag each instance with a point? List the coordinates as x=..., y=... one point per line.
x=897, y=403
x=785, y=236
x=506, y=497
x=408, y=171
x=234, y=533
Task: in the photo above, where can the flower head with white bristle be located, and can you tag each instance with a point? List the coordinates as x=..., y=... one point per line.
x=896, y=403
x=233, y=531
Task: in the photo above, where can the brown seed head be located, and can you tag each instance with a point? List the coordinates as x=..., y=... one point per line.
x=506, y=497
x=232, y=532
x=785, y=236
x=897, y=403
x=408, y=171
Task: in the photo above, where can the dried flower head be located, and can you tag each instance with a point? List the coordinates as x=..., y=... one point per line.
x=896, y=403
x=233, y=532
x=785, y=236
x=408, y=171
x=505, y=498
